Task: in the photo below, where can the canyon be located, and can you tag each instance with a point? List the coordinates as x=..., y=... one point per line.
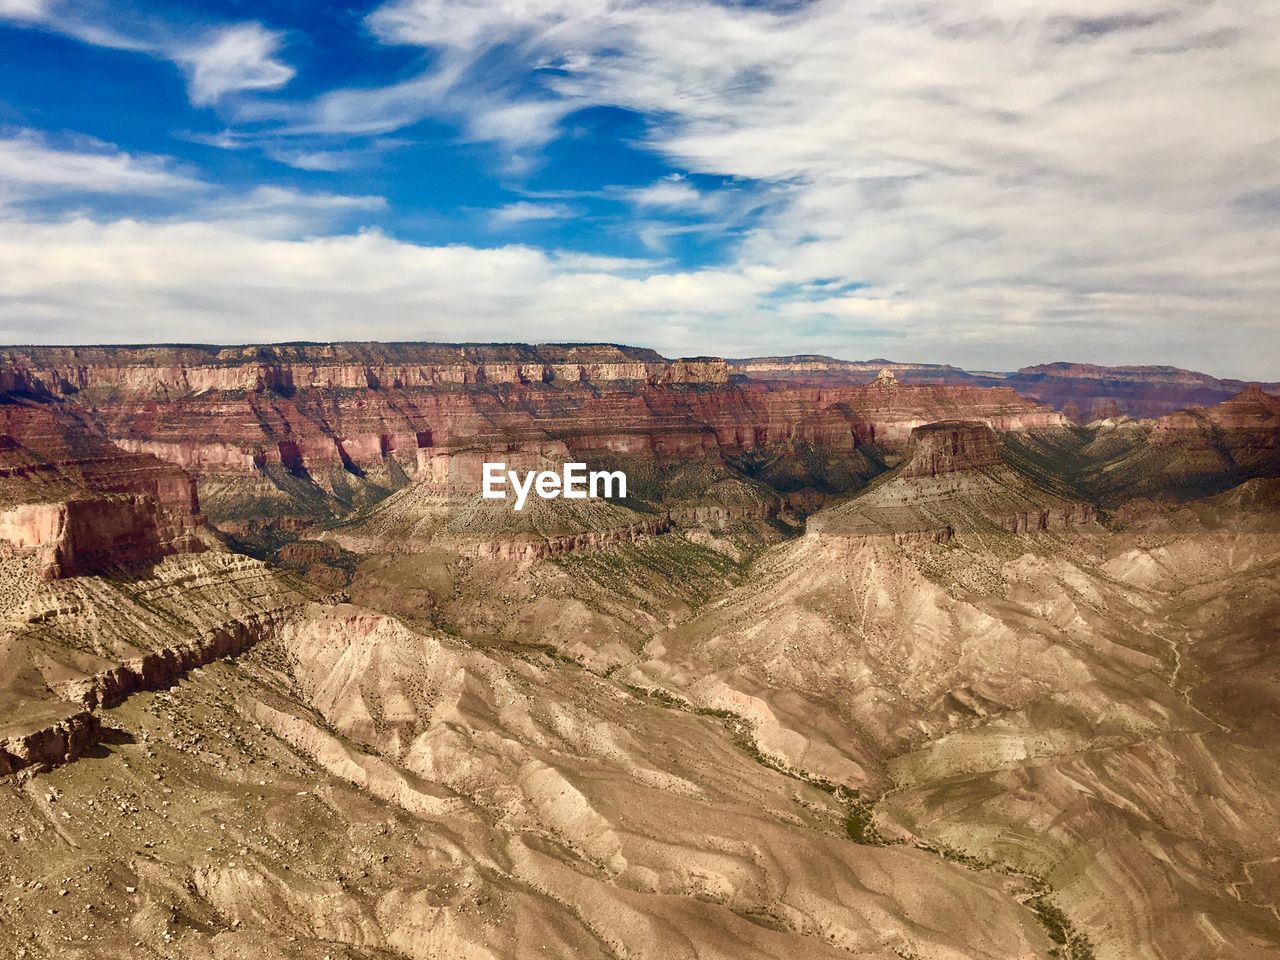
x=872, y=659
x=1084, y=392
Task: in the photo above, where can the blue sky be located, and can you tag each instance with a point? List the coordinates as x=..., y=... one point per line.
x=984, y=183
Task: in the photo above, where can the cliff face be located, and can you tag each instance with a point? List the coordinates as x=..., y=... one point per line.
x=92, y=534
x=80, y=502
x=529, y=548
x=954, y=478
x=951, y=446
x=58, y=742
x=1094, y=392
x=249, y=413
x=281, y=437
x=74, y=647
x=307, y=432
x=1084, y=392
x=1251, y=417
x=807, y=368
x=167, y=371
x=1193, y=452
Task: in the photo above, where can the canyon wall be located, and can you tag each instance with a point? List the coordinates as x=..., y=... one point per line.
x=58, y=742
x=282, y=437
x=82, y=503
x=1084, y=392
x=529, y=548
x=813, y=368
x=228, y=412
x=166, y=371
x=1088, y=392
x=92, y=534
x=954, y=477
x=950, y=446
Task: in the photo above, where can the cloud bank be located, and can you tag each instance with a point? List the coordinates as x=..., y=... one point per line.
x=990, y=183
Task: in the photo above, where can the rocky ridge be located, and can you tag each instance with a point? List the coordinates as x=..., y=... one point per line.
x=953, y=476
x=327, y=430
x=1083, y=392
x=82, y=502
x=78, y=645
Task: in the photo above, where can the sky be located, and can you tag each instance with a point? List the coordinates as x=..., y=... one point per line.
x=988, y=183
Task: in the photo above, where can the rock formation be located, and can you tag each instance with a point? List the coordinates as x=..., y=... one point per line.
x=1084, y=392
x=850, y=671
x=953, y=477
x=1100, y=392
x=81, y=501
x=885, y=378
x=1191, y=453
x=306, y=434
x=950, y=446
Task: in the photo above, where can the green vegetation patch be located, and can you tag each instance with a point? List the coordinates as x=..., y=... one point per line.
x=669, y=566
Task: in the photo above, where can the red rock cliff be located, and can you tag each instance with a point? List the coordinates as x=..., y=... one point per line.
x=240, y=421
x=80, y=501
x=950, y=446
x=248, y=415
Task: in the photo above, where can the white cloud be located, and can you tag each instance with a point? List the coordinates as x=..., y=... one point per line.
x=1033, y=177
x=231, y=281
x=31, y=167
x=128, y=280
x=24, y=9
x=325, y=161
x=217, y=61
x=523, y=211
x=230, y=59
x=331, y=155
x=674, y=193
x=284, y=212
x=469, y=24
x=35, y=173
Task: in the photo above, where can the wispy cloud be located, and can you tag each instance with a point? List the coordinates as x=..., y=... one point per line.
x=217, y=60
x=313, y=154
x=25, y=9
x=991, y=182
x=674, y=193
x=524, y=211
x=43, y=179
x=326, y=161
x=284, y=212
x=32, y=167
x=243, y=56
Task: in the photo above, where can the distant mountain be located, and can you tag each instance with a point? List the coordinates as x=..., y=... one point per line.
x=1085, y=392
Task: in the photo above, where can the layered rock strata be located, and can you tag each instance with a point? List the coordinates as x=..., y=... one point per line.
x=304, y=434
x=82, y=503
x=951, y=446
x=354, y=366
x=953, y=478
x=77, y=646
x=527, y=548
x=1084, y=392
x=60, y=742
x=1095, y=392
x=240, y=421
x=164, y=667
x=1191, y=453
x=78, y=536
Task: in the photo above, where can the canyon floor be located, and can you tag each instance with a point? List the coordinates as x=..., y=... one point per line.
x=874, y=672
